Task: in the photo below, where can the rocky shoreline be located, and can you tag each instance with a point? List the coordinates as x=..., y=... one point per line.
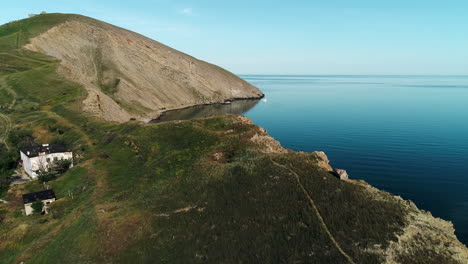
x=161, y=113
x=422, y=230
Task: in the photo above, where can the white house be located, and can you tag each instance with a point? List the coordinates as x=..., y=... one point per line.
x=36, y=157
x=46, y=197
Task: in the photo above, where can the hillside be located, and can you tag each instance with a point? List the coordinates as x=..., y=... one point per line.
x=126, y=74
x=212, y=190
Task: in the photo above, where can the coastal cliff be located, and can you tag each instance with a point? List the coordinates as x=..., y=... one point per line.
x=422, y=238
x=207, y=191
x=128, y=75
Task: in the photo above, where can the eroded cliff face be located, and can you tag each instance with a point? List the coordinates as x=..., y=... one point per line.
x=129, y=75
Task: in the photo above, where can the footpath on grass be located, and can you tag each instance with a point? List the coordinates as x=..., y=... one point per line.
x=315, y=210
x=5, y=128
x=5, y=121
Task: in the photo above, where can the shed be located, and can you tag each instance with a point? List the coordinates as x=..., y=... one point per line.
x=46, y=197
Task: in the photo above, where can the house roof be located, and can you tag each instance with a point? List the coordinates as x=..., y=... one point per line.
x=38, y=196
x=34, y=150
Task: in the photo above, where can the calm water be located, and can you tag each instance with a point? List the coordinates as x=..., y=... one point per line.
x=404, y=134
x=236, y=107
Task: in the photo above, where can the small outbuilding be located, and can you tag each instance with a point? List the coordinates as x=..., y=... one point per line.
x=46, y=197
x=41, y=157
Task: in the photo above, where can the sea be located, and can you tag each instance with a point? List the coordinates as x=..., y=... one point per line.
x=407, y=135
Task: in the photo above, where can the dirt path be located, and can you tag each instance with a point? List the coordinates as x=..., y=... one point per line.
x=5, y=86
x=316, y=211
x=65, y=122
x=5, y=121
x=5, y=129
x=11, y=91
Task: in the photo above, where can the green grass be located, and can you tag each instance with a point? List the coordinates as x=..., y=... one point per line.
x=72, y=182
x=19, y=60
x=78, y=239
x=134, y=107
x=9, y=42
x=365, y=222
x=7, y=164
x=5, y=98
x=16, y=34
x=42, y=85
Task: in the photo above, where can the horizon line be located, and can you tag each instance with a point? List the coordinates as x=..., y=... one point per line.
x=389, y=75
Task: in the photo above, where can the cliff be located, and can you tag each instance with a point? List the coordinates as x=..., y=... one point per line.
x=128, y=75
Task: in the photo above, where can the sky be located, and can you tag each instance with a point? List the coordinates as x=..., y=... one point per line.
x=291, y=37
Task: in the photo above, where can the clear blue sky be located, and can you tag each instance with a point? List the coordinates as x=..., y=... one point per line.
x=291, y=37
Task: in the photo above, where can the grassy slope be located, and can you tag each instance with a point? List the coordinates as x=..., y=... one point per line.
x=153, y=193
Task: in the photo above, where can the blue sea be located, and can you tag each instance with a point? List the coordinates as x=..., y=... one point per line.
x=407, y=135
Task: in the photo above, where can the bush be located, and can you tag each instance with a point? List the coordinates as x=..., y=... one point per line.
x=21, y=138
x=7, y=165
x=5, y=180
x=45, y=176
x=2, y=215
x=37, y=206
x=62, y=166
x=55, y=169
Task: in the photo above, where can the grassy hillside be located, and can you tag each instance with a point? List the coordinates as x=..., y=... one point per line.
x=16, y=34
x=196, y=191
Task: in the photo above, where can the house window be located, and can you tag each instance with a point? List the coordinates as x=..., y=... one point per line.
x=48, y=159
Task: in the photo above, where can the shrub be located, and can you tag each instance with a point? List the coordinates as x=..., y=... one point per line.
x=62, y=166
x=37, y=206
x=21, y=138
x=2, y=215
x=56, y=169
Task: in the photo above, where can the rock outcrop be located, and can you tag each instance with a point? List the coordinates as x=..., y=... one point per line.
x=423, y=234
x=264, y=142
x=129, y=75
x=322, y=160
x=342, y=174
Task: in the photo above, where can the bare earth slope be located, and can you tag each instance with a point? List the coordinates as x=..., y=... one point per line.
x=129, y=75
